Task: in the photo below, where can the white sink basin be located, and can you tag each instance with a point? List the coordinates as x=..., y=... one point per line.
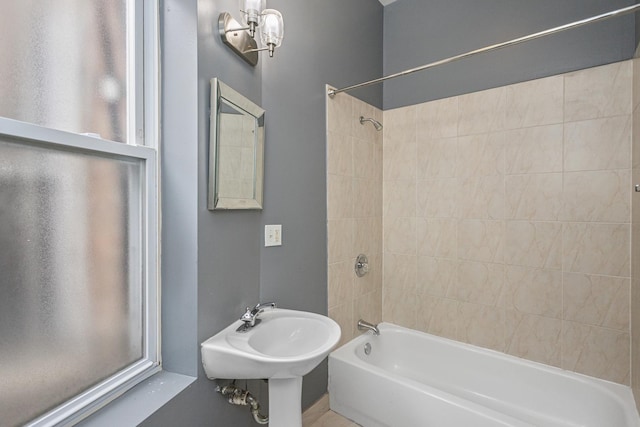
x=285, y=344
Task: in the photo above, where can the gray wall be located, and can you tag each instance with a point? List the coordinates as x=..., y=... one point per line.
x=315, y=52
x=233, y=268
x=637, y=16
x=214, y=269
x=179, y=152
x=417, y=32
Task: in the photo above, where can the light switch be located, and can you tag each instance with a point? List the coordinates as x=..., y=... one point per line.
x=273, y=235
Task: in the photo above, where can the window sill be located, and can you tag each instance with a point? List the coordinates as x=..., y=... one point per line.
x=137, y=404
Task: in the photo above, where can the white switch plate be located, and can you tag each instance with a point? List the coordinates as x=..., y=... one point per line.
x=273, y=235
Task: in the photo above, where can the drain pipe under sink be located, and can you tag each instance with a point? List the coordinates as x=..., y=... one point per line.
x=238, y=396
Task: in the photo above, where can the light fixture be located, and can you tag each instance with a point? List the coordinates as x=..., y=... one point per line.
x=241, y=38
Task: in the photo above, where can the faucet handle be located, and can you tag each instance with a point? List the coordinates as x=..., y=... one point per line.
x=248, y=315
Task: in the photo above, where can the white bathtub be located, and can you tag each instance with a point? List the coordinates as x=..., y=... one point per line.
x=419, y=380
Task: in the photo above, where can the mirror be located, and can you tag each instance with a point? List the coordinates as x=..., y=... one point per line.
x=236, y=149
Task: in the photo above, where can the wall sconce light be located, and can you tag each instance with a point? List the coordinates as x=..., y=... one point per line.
x=240, y=38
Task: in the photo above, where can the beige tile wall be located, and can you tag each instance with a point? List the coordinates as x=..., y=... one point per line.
x=506, y=218
x=354, y=212
x=635, y=237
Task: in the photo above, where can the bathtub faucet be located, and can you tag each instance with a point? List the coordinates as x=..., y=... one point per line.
x=250, y=317
x=366, y=326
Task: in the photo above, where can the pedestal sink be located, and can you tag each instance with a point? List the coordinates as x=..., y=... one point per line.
x=282, y=347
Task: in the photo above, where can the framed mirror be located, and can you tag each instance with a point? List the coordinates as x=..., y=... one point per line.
x=236, y=150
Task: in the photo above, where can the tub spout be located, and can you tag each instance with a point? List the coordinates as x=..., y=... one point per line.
x=366, y=326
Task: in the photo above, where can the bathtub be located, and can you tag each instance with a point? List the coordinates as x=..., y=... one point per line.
x=410, y=378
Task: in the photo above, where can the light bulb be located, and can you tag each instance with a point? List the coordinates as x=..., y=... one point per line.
x=251, y=11
x=271, y=29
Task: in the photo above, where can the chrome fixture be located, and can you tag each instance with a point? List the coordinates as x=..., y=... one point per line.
x=238, y=396
x=362, y=265
x=375, y=123
x=240, y=38
x=613, y=14
x=367, y=349
x=366, y=326
x=250, y=316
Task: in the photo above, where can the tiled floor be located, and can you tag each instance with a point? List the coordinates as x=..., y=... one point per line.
x=319, y=415
x=331, y=419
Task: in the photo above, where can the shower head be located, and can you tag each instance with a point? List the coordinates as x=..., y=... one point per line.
x=375, y=123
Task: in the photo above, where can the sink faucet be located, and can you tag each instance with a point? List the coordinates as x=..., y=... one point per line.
x=250, y=317
x=364, y=326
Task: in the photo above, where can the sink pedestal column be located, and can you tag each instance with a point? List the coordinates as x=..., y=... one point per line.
x=285, y=402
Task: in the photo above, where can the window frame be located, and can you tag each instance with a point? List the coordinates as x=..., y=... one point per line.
x=142, y=144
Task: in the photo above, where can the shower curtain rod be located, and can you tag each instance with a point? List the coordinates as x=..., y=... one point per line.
x=597, y=18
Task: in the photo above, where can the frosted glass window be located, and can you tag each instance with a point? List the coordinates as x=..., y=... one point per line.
x=71, y=292
x=63, y=65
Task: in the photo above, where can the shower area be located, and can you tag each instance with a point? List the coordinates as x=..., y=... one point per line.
x=502, y=218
